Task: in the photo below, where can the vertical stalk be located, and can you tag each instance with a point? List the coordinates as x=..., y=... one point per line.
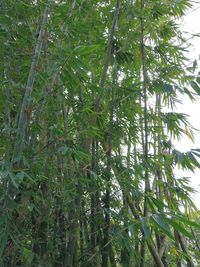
x=60, y=214
x=107, y=58
x=125, y=255
x=41, y=242
x=183, y=244
x=21, y=125
x=161, y=238
x=145, y=114
x=110, y=44
x=108, y=173
x=145, y=146
x=7, y=115
x=93, y=189
x=178, y=260
x=147, y=189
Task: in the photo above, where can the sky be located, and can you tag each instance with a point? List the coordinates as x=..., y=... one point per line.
x=191, y=25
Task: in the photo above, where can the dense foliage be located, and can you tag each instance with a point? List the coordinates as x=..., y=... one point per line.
x=88, y=90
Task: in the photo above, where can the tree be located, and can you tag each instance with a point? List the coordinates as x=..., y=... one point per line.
x=88, y=90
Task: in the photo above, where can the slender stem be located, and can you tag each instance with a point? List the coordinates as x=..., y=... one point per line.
x=21, y=125
x=110, y=44
x=108, y=171
x=145, y=146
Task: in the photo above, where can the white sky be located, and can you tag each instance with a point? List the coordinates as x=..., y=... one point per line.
x=191, y=25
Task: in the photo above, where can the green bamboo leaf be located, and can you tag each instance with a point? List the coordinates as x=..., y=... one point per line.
x=63, y=149
x=187, y=221
x=158, y=203
x=13, y=179
x=198, y=80
x=168, y=88
x=193, y=160
x=29, y=177
x=159, y=220
x=5, y=20
x=195, y=87
x=84, y=50
x=179, y=227
x=145, y=227
x=195, y=65
x=20, y=176
x=196, y=152
x=132, y=229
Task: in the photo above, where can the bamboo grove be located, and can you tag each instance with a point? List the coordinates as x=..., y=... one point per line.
x=88, y=119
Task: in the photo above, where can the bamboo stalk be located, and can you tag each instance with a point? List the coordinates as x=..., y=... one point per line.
x=22, y=122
